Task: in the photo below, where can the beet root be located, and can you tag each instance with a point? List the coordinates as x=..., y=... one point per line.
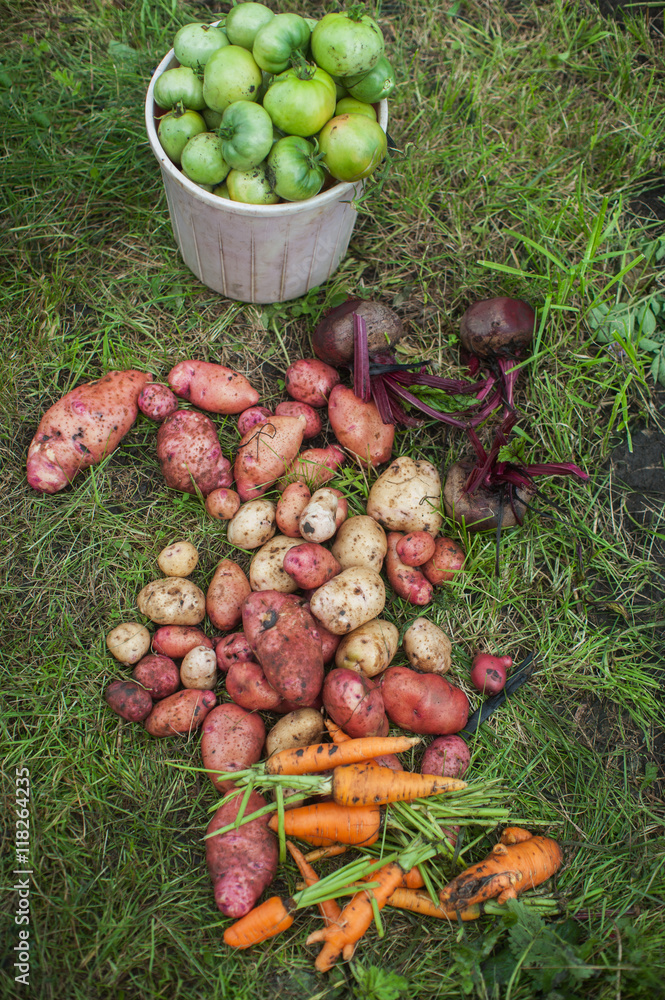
x=482, y=510
x=497, y=328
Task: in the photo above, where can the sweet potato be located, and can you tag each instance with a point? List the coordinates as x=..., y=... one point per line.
x=82, y=428
x=157, y=402
x=190, y=454
x=232, y=739
x=247, y=685
x=286, y=642
x=310, y=565
x=290, y=506
x=158, y=674
x=243, y=862
x=177, y=640
x=311, y=381
x=358, y=427
x=407, y=581
x=128, y=700
x=181, y=713
x=227, y=590
x=313, y=425
x=264, y=453
x=212, y=387
x=423, y=703
x=355, y=703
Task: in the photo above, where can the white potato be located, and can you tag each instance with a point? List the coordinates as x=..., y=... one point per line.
x=300, y=728
x=370, y=648
x=427, y=648
x=407, y=497
x=199, y=669
x=172, y=601
x=318, y=521
x=128, y=642
x=252, y=525
x=266, y=570
x=178, y=559
x=353, y=597
x=360, y=541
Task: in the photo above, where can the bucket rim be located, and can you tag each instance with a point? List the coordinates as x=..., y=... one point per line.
x=339, y=192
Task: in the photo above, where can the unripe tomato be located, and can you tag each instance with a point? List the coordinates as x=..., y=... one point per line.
x=202, y=159
x=243, y=22
x=175, y=130
x=179, y=86
x=294, y=169
x=246, y=134
x=301, y=100
x=353, y=146
x=230, y=75
x=251, y=186
x=278, y=40
x=373, y=86
x=346, y=44
x=195, y=43
x=350, y=106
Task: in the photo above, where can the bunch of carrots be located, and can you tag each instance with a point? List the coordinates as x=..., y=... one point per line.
x=358, y=787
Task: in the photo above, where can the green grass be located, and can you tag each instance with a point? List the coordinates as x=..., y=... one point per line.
x=525, y=134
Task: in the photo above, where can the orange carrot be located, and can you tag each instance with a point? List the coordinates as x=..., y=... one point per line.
x=263, y=922
x=421, y=902
x=413, y=879
x=337, y=734
x=321, y=853
x=323, y=756
x=327, y=823
x=361, y=785
x=514, y=864
x=329, y=908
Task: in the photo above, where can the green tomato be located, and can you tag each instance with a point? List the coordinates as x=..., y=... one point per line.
x=352, y=146
x=202, y=159
x=195, y=43
x=346, y=44
x=179, y=86
x=350, y=106
x=175, y=130
x=246, y=134
x=213, y=119
x=295, y=169
x=372, y=86
x=244, y=20
x=230, y=75
x=278, y=40
x=222, y=191
x=251, y=186
x=301, y=100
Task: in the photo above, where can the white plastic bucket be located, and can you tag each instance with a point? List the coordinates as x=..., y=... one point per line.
x=255, y=253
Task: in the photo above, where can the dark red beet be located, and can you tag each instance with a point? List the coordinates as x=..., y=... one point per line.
x=480, y=510
x=332, y=339
x=497, y=328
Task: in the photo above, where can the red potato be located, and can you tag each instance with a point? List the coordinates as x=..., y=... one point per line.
x=446, y=563
x=314, y=424
x=311, y=381
x=285, y=639
x=190, y=454
x=358, y=427
x=390, y=760
x=231, y=740
x=247, y=685
x=243, y=862
x=158, y=674
x=355, y=703
x=212, y=387
x=448, y=756
x=329, y=641
x=227, y=590
x=290, y=506
x=264, y=454
x=181, y=713
x=230, y=649
x=489, y=673
x=128, y=700
x=423, y=703
x=157, y=402
x=415, y=548
x=222, y=504
x=311, y=565
x=251, y=417
x=82, y=428
x=315, y=466
x=177, y=640
x=407, y=581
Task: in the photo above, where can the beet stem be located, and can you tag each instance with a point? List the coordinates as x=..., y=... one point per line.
x=361, y=383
